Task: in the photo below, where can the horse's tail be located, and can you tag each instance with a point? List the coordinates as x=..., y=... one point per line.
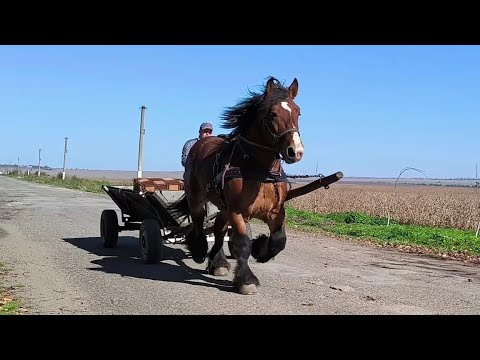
x=179, y=208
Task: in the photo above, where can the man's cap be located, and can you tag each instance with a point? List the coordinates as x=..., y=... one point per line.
x=206, y=126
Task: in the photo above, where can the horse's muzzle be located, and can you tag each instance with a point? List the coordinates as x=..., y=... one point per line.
x=292, y=155
x=293, y=152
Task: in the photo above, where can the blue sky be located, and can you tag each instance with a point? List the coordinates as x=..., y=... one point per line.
x=366, y=110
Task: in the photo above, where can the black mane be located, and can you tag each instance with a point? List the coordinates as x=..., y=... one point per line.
x=255, y=106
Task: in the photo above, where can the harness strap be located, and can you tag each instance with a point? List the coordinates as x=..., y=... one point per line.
x=229, y=173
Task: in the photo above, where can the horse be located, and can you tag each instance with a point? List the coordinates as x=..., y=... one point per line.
x=241, y=173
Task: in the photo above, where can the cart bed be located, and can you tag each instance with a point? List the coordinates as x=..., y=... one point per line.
x=139, y=206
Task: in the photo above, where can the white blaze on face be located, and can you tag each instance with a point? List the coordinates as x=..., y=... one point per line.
x=297, y=142
x=285, y=106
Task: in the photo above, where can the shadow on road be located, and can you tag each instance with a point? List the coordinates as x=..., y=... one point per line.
x=125, y=260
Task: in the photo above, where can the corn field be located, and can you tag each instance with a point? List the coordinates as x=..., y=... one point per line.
x=438, y=206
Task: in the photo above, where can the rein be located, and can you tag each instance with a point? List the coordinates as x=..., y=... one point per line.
x=255, y=144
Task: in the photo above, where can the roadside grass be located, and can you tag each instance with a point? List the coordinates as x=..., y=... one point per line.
x=72, y=182
x=10, y=307
x=8, y=304
x=357, y=225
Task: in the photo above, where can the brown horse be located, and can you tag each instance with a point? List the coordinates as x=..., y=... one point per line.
x=243, y=176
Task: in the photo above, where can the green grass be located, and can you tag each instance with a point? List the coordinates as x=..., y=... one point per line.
x=10, y=306
x=70, y=182
x=362, y=226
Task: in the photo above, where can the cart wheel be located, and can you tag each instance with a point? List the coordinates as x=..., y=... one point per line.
x=230, y=233
x=151, y=241
x=109, y=228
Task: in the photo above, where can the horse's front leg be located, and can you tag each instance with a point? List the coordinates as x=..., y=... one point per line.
x=218, y=264
x=244, y=281
x=265, y=248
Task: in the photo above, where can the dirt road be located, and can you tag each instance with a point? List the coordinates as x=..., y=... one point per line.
x=49, y=237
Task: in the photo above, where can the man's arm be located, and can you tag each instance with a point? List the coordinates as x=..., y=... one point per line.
x=186, y=149
x=184, y=154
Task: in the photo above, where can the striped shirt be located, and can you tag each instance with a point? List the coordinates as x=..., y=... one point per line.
x=186, y=149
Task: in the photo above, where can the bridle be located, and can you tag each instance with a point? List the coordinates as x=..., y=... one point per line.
x=276, y=138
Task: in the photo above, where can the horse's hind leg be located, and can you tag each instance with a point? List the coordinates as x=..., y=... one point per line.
x=218, y=264
x=244, y=281
x=265, y=248
x=196, y=239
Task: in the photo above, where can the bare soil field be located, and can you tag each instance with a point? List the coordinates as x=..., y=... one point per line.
x=439, y=206
x=421, y=201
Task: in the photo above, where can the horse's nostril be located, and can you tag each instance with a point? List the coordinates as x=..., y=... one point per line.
x=290, y=152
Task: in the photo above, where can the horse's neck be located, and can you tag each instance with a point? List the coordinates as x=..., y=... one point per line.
x=250, y=156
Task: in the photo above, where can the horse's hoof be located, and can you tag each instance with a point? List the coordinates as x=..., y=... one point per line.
x=250, y=289
x=260, y=248
x=221, y=271
x=199, y=260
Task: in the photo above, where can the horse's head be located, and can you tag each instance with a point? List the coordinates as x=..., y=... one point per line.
x=269, y=120
x=280, y=125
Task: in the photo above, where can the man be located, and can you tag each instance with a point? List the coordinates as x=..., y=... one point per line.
x=206, y=129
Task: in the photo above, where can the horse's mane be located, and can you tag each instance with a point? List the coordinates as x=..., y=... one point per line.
x=254, y=106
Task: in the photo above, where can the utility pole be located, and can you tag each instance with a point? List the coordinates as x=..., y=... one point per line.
x=18, y=167
x=39, y=151
x=476, y=171
x=140, y=145
x=64, y=159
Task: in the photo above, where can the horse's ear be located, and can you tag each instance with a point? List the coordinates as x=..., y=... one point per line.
x=293, y=89
x=270, y=86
